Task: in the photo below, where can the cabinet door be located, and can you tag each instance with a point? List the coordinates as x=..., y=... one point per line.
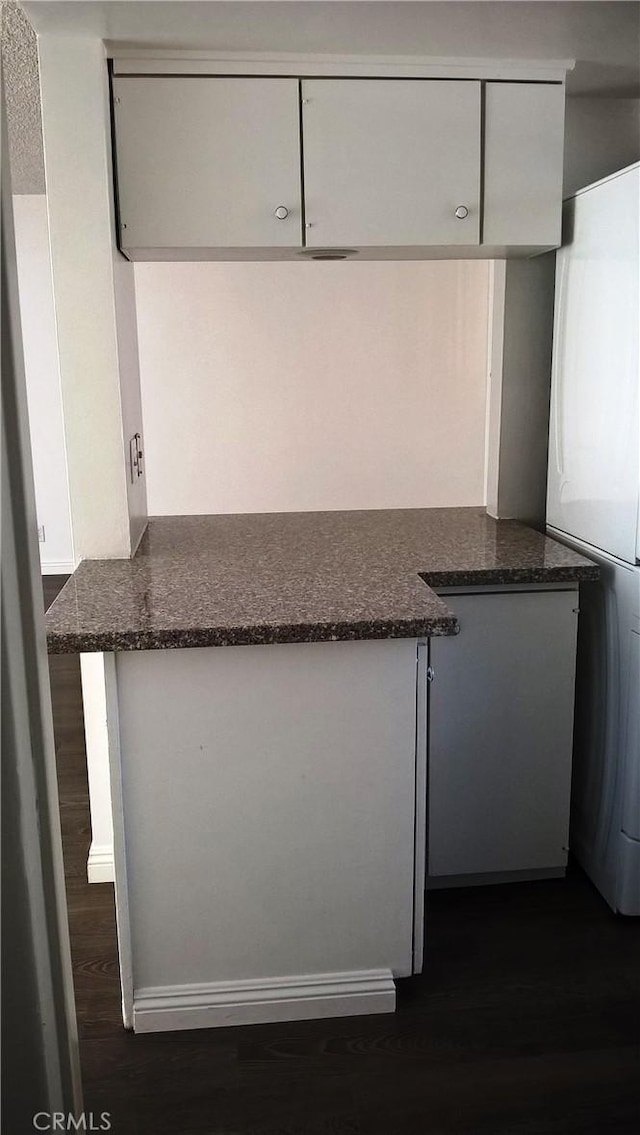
x=500, y=735
x=205, y=162
x=523, y=158
x=388, y=162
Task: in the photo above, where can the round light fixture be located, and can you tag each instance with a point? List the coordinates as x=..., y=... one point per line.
x=328, y=253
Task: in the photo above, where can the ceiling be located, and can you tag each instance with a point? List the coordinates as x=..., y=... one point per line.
x=602, y=35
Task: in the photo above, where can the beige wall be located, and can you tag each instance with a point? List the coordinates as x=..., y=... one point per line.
x=277, y=387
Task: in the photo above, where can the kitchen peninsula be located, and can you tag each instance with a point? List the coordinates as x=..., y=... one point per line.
x=270, y=799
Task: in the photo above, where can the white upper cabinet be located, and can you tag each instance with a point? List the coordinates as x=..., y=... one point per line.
x=391, y=162
x=523, y=159
x=250, y=167
x=207, y=162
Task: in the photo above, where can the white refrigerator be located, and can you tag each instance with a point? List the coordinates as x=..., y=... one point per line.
x=593, y=505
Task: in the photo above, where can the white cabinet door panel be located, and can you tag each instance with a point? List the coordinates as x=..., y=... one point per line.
x=388, y=162
x=205, y=162
x=523, y=162
x=500, y=735
x=269, y=803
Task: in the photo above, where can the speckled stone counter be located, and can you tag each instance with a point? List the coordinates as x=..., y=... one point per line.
x=298, y=577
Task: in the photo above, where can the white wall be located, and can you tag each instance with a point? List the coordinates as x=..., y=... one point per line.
x=96, y=346
x=602, y=135
x=130, y=397
x=43, y=381
x=602, y=37
x=520, y=382
x=277, y=387
x=96, y=350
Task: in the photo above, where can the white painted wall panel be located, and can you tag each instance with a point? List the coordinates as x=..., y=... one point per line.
x=278, y=387
x=43, y=381
x=77, y=149
x=130, y=396
x=520, y=370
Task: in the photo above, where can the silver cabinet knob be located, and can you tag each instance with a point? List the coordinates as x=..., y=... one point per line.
x=281, y=212
x=462, y=212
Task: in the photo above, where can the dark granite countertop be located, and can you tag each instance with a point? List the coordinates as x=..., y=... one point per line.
x=298, y=577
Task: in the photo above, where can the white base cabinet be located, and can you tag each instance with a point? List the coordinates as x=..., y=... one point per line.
x=267, y=829
x=500, y=737
x=272, y=805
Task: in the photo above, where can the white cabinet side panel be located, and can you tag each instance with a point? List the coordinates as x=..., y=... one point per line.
x=388, y=163
x=523, y=155
x=501, y=718
x=207, y=161
x=268, y=798
x=77, y=143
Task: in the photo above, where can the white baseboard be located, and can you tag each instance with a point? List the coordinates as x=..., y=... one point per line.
x=58, y=567
x=100, y=867
x=298, y=998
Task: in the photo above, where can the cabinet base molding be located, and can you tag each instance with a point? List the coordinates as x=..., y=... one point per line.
x=100, y=865
x=296, y=998
x=440, y=882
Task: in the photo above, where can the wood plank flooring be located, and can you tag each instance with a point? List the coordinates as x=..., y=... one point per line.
x=526, y=1020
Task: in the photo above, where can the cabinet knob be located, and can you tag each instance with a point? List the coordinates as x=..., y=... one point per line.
x=281, y=212
x=462, y=212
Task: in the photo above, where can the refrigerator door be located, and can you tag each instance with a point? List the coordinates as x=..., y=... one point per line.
x=605, y=800
x=594, y=433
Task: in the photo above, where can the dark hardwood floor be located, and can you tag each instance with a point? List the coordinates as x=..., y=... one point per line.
x=526, y=1019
